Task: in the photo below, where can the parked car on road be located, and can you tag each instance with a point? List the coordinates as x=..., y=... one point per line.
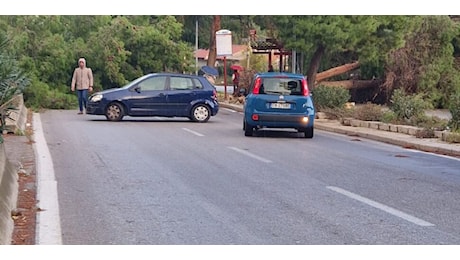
x=158, y=94
x=278, y=100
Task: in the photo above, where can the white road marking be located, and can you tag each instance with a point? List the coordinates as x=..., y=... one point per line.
x=435, y=154
x=48, y=220
x=383, y=207
x=250, y=154
x=229, y=110
x=193, y=132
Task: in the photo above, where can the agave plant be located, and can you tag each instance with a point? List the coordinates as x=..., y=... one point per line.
x=12, y=79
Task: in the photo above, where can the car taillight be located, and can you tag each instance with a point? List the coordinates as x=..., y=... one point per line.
x=257, y=86
x=255, y=117
x=305, y=90
x=214, y=94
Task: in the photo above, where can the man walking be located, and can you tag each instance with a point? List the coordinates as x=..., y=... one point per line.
x=82, y=80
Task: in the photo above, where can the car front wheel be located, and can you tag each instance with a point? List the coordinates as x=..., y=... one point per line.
x=201, y=113
x=114, y=112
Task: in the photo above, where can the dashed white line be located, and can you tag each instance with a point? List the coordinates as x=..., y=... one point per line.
x=250, y=154
x=383, y=207
x=229, y=110
x=191, y=131
x=435, y=154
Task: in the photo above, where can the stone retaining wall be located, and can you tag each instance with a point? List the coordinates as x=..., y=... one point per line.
x=402, y=129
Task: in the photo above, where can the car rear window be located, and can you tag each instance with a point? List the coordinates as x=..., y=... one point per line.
x=281, y=86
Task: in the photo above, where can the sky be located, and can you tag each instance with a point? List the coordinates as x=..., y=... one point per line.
x=235, y=7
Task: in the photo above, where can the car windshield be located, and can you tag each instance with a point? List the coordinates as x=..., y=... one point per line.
x=134, y=82
x=281, y=86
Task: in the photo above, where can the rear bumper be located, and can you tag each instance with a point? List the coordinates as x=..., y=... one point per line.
x=215, y=109
x=281, y=121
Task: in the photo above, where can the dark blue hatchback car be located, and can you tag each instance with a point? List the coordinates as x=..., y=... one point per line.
x=158, y=94
x=279, y=100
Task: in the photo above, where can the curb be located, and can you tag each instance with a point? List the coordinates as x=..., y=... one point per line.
x=237, y=108
x=403, y=140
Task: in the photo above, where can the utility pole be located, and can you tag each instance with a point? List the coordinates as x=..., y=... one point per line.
x=196, y=46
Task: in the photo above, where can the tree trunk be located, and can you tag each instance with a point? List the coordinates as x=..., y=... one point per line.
x=336, y=71
x=352, y=84
x=212, y=41
x=314, y=65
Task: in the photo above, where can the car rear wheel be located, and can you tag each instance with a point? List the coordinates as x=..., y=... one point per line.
x=114, y=112
x=308, y=132
x=248, y=129
x=201, y=113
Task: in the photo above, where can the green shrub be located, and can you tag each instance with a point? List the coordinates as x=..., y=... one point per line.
x=389, y=117
x=408, y=107
x=337, y=113
x=429, y=122
x=368, y=112
x=454, y=108
x=39, y=95
x=330, y=97
x=453, y=137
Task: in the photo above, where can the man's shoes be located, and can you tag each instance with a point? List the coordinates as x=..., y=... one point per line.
x=80, y=113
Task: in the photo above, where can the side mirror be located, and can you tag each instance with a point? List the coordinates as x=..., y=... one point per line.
x=137, y=89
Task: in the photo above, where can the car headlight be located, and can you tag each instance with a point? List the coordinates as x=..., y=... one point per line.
x=96, y=98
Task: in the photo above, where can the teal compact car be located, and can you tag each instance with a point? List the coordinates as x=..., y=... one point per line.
x=278, y=100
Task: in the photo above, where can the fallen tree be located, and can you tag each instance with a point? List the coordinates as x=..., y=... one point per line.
x=321, y=76
x=353, y=84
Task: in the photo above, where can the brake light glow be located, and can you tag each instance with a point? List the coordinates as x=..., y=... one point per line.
x=305, y=91
x=257, y=86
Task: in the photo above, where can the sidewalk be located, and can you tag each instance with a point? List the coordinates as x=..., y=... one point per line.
x=432, y=145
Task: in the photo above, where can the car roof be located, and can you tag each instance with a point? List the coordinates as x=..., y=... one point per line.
x=280, y=74
x=172, y=74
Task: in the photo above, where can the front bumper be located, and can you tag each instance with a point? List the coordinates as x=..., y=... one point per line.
x=94, y=108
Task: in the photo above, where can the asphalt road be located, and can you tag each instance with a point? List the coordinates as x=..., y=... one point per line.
x=173, y=182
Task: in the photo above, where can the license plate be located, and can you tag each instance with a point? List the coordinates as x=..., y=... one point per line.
x=280, y=105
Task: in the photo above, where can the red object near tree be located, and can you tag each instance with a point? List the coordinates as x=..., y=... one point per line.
x=236, y=67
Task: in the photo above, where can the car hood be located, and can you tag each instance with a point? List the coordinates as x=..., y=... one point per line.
x=108, y=91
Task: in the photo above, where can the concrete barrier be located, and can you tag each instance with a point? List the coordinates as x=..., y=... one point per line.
x=15, y=115
x=8, y=196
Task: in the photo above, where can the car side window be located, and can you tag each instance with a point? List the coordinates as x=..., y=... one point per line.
x=181, y=83
x=153, y=83
x=197, y=84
